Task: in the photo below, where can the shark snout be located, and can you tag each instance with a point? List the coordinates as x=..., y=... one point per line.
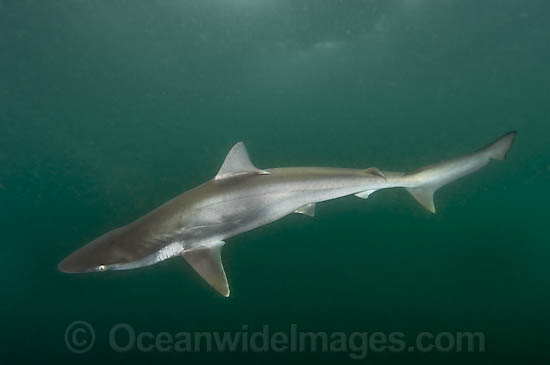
x=82, y=260
x=70, y=265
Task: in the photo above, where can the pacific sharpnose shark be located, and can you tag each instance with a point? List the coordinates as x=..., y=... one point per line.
x=242, y=197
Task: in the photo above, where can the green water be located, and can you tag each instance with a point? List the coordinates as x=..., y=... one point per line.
x=110, y=108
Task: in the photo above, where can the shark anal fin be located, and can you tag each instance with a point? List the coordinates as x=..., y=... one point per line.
x=207, y=263
x=425, y=196
x=308, y=209
x=236, y=162
x=364, y=194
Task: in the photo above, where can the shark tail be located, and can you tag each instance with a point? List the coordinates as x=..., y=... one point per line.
x=422, y=184
x=499, y=148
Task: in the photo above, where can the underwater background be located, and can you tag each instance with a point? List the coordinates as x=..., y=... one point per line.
x=110, y=108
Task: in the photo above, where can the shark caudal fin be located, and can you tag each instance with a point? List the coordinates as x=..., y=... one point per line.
x=498, y=149
x=423, y=183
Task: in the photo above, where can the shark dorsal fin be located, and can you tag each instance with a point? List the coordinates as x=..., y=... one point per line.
x=207, y=262
x=236, y=162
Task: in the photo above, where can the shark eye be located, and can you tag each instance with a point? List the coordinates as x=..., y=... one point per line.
x=101, y=267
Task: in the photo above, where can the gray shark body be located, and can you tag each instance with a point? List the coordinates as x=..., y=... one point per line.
x=242, y=197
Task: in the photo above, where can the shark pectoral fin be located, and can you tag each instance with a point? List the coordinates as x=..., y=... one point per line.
x=376, y=172
x=237, y=161
x=364, y=194
x=308, y=209
x=425, y=196
x=207, y=263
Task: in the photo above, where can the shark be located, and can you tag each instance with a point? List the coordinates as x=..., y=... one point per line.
x=196, y=224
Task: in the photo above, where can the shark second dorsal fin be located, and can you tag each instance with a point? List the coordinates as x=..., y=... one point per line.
x=236, y=162
x=376, y=172
x=207, y=262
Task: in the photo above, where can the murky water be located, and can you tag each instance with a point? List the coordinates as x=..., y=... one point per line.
x=111, y=108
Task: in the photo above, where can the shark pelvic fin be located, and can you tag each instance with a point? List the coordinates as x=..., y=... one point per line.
x=376, y=172
x=308, y=209
x=236, y=162
x=425, y=196
x=207, y=262
x=364, y=194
